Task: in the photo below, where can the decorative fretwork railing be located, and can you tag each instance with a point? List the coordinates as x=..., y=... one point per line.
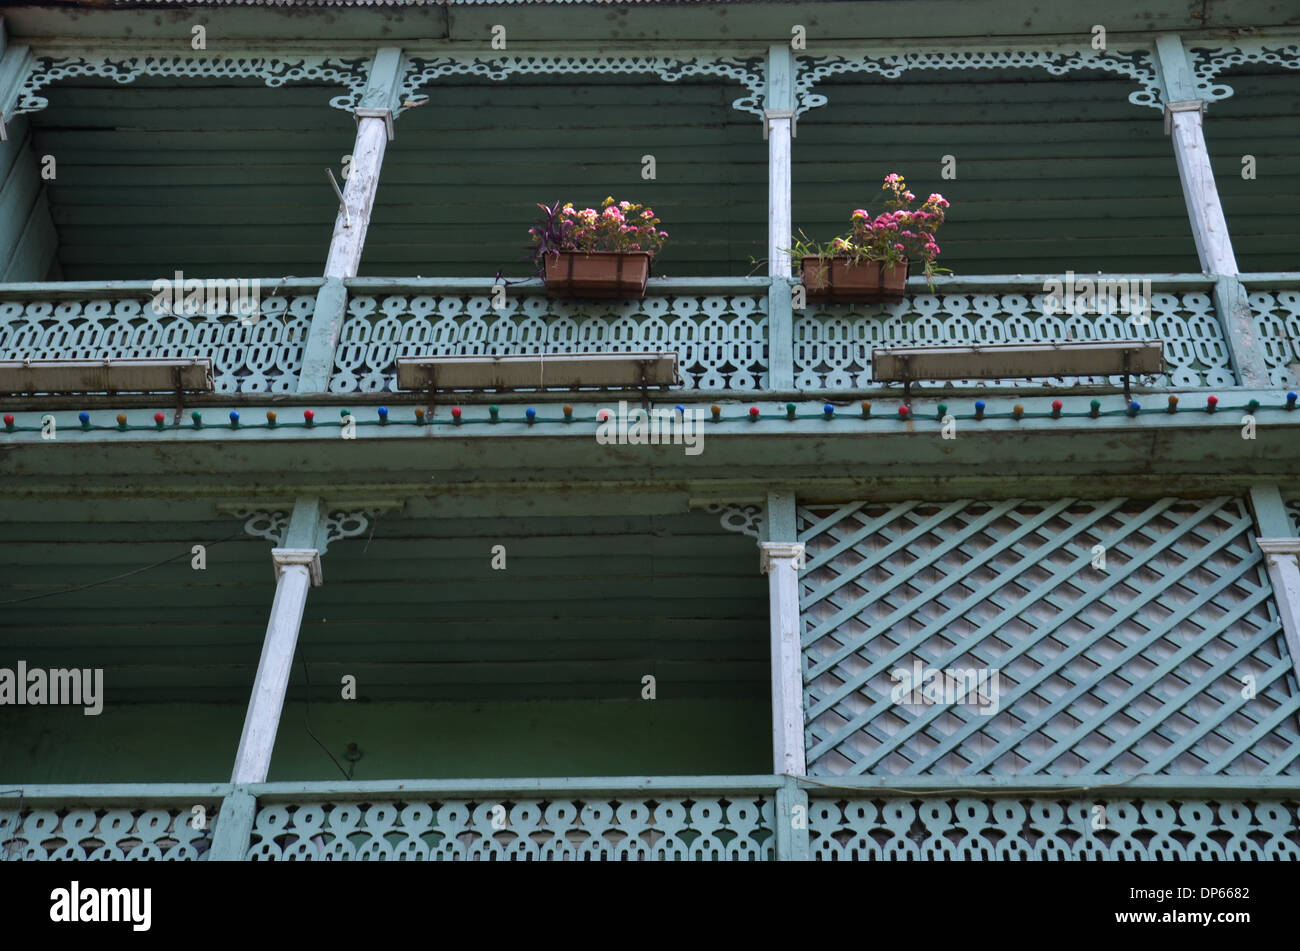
x=733, y=336
x=1293, y=513
x=1015, y=638
x=735, y=818
x=1009, y=828
x=601, y=827
x=1276, y=314
x=719, y=333
x=833, y=344
x=103, y=823
x=258, y=352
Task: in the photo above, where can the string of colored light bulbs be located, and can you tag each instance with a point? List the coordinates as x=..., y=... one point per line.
x=754, y=414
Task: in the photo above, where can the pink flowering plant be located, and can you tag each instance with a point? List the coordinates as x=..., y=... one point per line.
x=903, y=232
x=615, y=226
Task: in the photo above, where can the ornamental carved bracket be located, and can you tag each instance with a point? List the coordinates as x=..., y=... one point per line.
x=1137, y=64
x=271, y=70
x=742, y=519
x=749, y=72
x=272, y=524
x=1208, y=63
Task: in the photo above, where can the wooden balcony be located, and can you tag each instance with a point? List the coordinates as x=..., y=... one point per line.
x=736, y=338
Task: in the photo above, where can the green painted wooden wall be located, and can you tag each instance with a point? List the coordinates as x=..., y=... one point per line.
x=461, y=182
x=197, y=742
x=212, y=178
x=1052, y=173
x=1263, y=213
x=27, y=236
x=584, y=608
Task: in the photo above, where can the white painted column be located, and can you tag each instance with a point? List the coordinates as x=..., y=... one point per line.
x=1282, y=555
x=781, y=561
x=296, y=570
x=1209, y=228
x=373, y=133
x=779, y=129
x=778, y=125
x=1183, y=111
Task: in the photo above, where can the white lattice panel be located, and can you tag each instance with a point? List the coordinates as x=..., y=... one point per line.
x=721, y=341
x=1168, y=658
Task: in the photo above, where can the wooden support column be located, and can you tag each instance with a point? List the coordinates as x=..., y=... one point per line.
x=358, y=197
x=1209, y=228
x=374, y=118
x=1239, y=331
x=297, y=568
x=16, y=63
x=780, y=558
x=1183, y=111
x=234, y=826
x=780, y=336
x=323, y=337
x=1282, y=557
x=778, y=129
x=792, y=837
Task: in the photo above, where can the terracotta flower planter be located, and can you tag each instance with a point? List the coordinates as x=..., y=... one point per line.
x=838, y=279
x=597, y=273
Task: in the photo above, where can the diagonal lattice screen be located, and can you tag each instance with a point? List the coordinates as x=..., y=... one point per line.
x=1159, y=652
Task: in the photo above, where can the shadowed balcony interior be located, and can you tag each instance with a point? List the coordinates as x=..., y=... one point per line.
x=461, y=669
x=1053, y=173
x=142, y=188
x=1259, y=120
x=140, y=192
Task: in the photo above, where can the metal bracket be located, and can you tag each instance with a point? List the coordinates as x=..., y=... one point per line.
x=770, y=114
x=645, y=391
x=180, y=397
x=343, y=205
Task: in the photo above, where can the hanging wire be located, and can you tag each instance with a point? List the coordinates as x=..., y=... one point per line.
x=126, y=574
x=306, y=719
